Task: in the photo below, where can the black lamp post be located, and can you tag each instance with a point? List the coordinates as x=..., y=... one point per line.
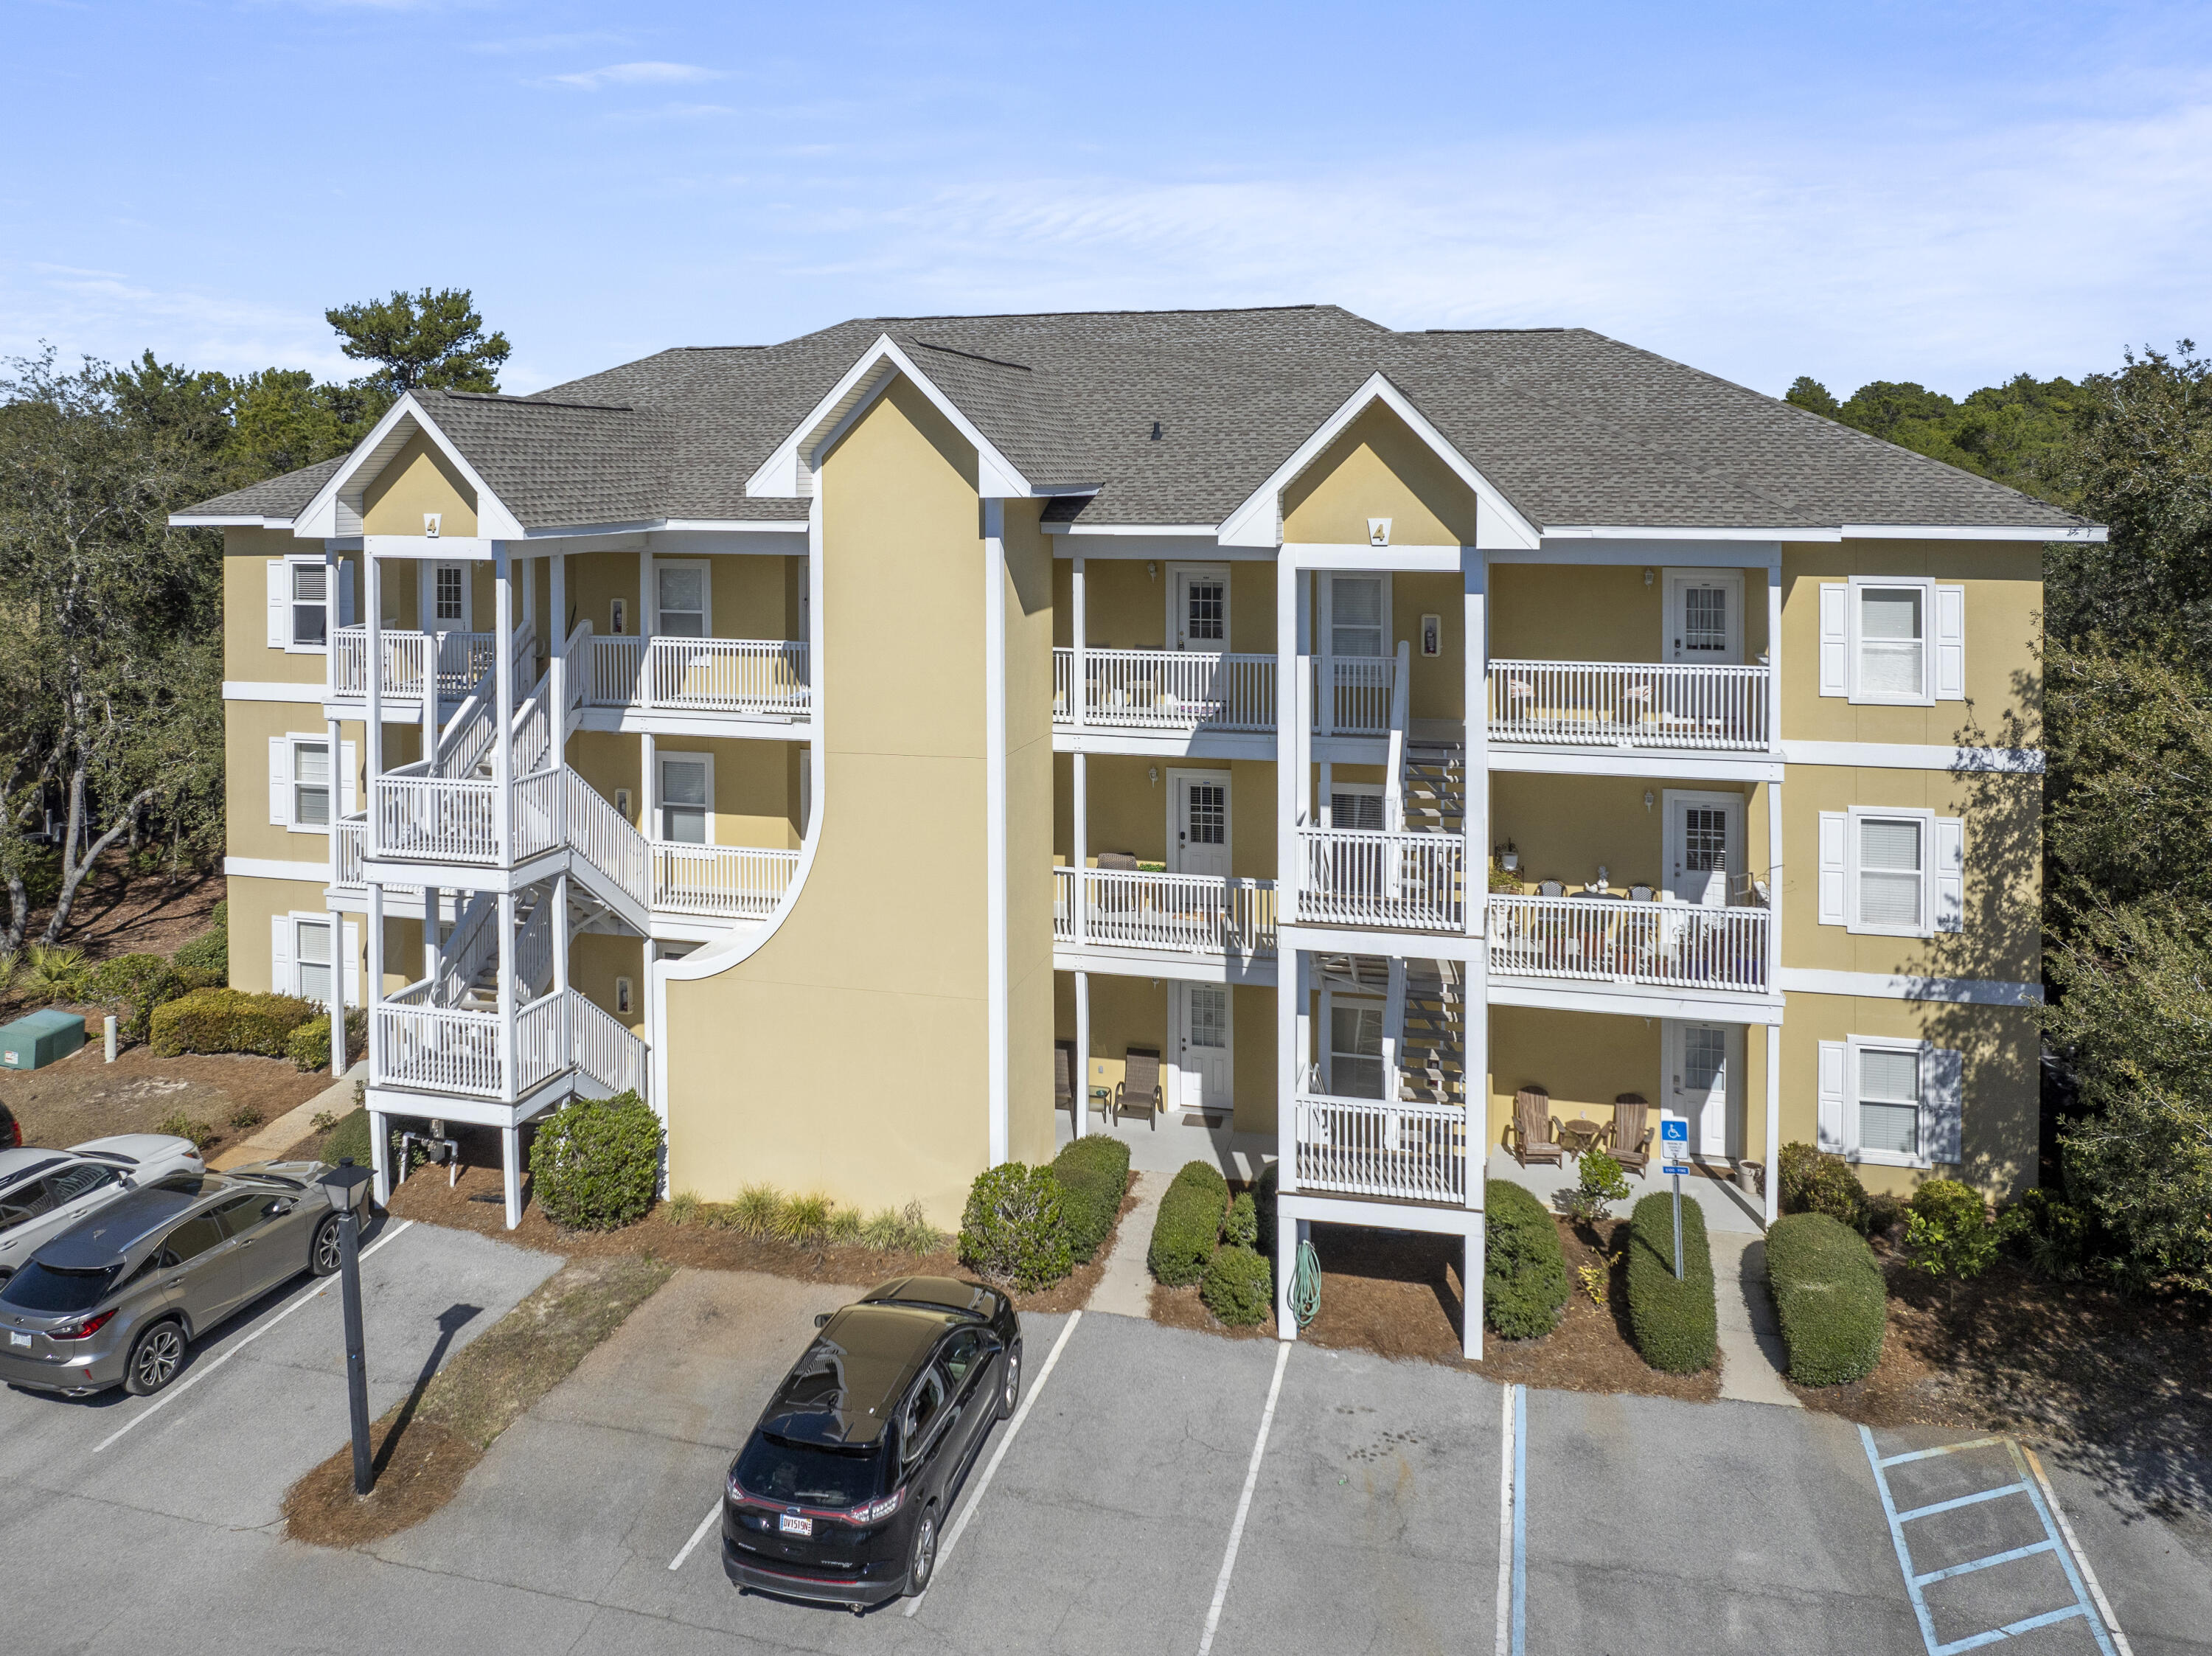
x=346, y=1186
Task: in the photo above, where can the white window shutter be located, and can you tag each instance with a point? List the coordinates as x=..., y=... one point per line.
x=279, y=604
x=280, y=780
x=1950, y=644
x=352, y=954
x=1831, y=1096
x=1835, y=638
x=349, y=800
x=1950, y=874
x=345, y=592
x=1943, y=1102
x=1835, y=828
x=282, y=979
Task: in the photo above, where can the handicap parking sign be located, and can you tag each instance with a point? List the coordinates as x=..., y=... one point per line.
x=1673, y=1131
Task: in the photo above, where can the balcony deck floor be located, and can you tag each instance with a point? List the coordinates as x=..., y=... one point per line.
x=1727, y=1208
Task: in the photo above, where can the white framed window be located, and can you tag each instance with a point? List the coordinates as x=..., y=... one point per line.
x=1356, y=614
x=685, y=782
x=1355, y=805
x=1891, y=1102
x=1892, y=871
x=300, y=600
x=316, y=957
x=300, y=785
x=449, y=598
x=1198, y=606
x=682, y=595
x=1355, y=1047
x=1895, y=641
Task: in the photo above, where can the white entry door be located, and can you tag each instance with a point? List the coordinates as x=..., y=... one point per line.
x=1705, y=846
x=1200, y=597
x=1704, y=616
x=1703, y=1063
x=1205, y=1057
x=1198, y=837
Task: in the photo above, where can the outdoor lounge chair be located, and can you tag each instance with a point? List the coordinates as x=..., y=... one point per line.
x=1535, y=1134
x=1629, y=1138
x=1137, y=1092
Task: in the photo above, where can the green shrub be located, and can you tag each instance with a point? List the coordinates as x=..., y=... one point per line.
x=1829, y=1294
x=48, y=972
x=2050, y=1235
x=1949, y=1233
x=308, y=1046
x=1813, y=1183
x=1263, y=1200
x=1524, y=1270
x=1602, y=1185
x=205, y=961
x=804, y=1219
x=1238, y=1286
x=139, y=982
x=228, y=1021
x=1676, y=1324
x=1242, y=1229
x=1014, y=1230
x=245, y=1118
x=595, y=1162
x=350, y=1137
x=906, y=1230
x=178, y=1124
x=1188, y=1228
x=1094, y=1175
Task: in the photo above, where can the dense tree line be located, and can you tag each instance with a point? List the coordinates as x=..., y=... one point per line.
x=2127, y=700
x=111, y=710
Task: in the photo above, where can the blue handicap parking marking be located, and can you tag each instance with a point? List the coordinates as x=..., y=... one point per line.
x=1985, y=1515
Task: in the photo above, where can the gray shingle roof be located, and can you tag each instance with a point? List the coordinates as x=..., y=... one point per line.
x=1573, y=427
x=277, y=498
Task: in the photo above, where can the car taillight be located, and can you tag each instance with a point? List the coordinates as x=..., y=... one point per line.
x=83, y=1330
x=874, y=1512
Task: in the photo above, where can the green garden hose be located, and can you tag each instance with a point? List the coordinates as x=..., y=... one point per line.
x=1305, y=1284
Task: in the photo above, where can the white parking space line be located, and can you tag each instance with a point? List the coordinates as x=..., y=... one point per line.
x=201, y=1372
x=2081, y=1559
x=1506, y=1574
x=1244, y=1501
x=698, y=1535
x=975, y=1496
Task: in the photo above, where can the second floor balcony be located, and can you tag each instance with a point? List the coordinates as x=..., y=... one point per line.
x=1630, y=704
x=1184, y=913
x=456, y=662
x=733, y=676
x=1660, y=944
x=1190, y=690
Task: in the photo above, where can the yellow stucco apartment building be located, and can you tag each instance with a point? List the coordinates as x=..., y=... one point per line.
x=885, y=750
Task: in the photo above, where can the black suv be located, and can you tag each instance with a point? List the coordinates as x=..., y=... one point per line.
x=840, y=1492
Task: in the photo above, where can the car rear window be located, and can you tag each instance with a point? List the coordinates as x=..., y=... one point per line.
x=808, y=1474
x=41, y=1288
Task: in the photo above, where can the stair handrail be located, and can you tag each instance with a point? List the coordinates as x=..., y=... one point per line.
x=534, y=951
x=1393, y=799
x=606, y=840
x=473, y=940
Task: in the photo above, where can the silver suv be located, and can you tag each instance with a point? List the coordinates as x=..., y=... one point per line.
x=118, y=1299
x=45, y=1193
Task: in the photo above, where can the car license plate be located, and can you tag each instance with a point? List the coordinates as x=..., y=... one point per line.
x=791, y=1526
x=14, y=1339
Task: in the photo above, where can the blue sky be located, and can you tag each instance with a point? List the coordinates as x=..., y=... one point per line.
x=1946, y=193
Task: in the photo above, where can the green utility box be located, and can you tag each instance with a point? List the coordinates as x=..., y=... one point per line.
x=34, y=1042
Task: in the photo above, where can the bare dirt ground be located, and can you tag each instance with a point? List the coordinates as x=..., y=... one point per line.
x=118, y=913
x=81, y=1097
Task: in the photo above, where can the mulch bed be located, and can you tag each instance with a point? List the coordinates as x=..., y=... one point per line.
x=1397, y=1293
x=84, y=1097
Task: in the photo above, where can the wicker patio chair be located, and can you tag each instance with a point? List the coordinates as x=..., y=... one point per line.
x=1137, y=1092
x=1535, y=1133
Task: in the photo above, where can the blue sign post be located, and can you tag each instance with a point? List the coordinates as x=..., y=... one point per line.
x=1674, y=1147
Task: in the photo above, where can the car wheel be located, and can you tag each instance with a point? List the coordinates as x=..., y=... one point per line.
x=1010, y=1394
x=155, y=1356
x=326, y=1254
x=924, y=1559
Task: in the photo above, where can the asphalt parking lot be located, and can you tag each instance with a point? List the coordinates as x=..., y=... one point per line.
x=1392, y=1508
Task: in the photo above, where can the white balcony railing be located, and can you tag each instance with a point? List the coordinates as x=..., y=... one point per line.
x=720, y=880
x=352, y=841
x=1678, y=945
x=462, y=658
x=1352, y=694
x=1365, y=1147
x=699, y=674
x=448, y=1049
x=1199, y=913
x=1168, y=689
x=1629, y=704
x=1403, y=882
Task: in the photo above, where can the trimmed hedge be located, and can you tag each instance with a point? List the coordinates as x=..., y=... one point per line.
x=1094, y=1175
x=1813, y=1183
x=1524, y=1270
x=309, y=1045
x=1830, y=1295
x=1239, y=1287
x=1676, y=1325
x=228, y=1021
x=1014, y=1228
x=1187, y=1228
x=595, y=1164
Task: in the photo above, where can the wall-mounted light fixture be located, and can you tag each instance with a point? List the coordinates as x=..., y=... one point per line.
x=1152, y=570
x=1647, y=799
x=1650, y=575
x=1153, y=774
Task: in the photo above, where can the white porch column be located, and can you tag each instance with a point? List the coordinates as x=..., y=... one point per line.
x=332, y=609
x=1475, y=1010
x=1774, y=872
x=1082, y=1066
x=1771, y=1184
x=507, y=1005
x=510, y=1157
x=1774, y=656
x=502, y=746
x=561, y=931
x=1293, y=734
x=372, y=712
x=557, y=659
x=1078, y=671
x=1394, y=1023
x=997, y=1010
x=373, y=994
x=1080, y=851
x=648, y=789
x=644, y=590
x=1470, y=1282
x=433, y=901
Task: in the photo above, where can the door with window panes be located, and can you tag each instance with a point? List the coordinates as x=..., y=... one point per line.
x=1201, y=824
x=1201, y=607
x=1204, y=1059
x=1355, y=1048
x=1703, y=1060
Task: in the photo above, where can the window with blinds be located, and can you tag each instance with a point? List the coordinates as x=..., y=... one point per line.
x=1889, y=1100
x=310, y=784
x=1891, y=872
x=1892, y=642
x=1356, y=810
x=1355, y=616
x=310, y=589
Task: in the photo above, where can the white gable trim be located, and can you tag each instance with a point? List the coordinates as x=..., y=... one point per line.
x=788, y=473
x=1259, y=520
x=333, y=511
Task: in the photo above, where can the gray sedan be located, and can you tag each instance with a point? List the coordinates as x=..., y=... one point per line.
x=45, y=1192
x=117, y=1299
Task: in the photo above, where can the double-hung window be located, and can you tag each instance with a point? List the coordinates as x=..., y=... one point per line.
x=1355, y=1048
x=311, y=785
x=1355, y=615
x=310, y=604
x=306, y=792
x=301, y=599
x=449, y=600
x=681, y=598
x=1888, y=1101
x=687, y=793
x=1894, y=1103
x=1896, y=641
x=315, y=957
x=314, y=960
x=1893, y=872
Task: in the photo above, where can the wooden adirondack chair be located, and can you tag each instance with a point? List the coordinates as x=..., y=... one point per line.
x=1063, y=1081
x=1535, y=1134
x=1138, y=1093
x=1629, y=1138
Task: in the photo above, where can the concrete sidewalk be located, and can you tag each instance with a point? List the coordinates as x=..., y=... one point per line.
x=272, y=1138
x=1125, y=1287
x=1753, y=1358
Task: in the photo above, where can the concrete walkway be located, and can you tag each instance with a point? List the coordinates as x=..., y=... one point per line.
x=1752, y=1356
x=272, y=1138
x=1125, y=1289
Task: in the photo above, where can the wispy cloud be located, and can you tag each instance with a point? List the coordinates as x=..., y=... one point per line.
x=524, y=44
x=646, y=74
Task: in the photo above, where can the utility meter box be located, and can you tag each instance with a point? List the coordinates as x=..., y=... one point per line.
x=34, y=1042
